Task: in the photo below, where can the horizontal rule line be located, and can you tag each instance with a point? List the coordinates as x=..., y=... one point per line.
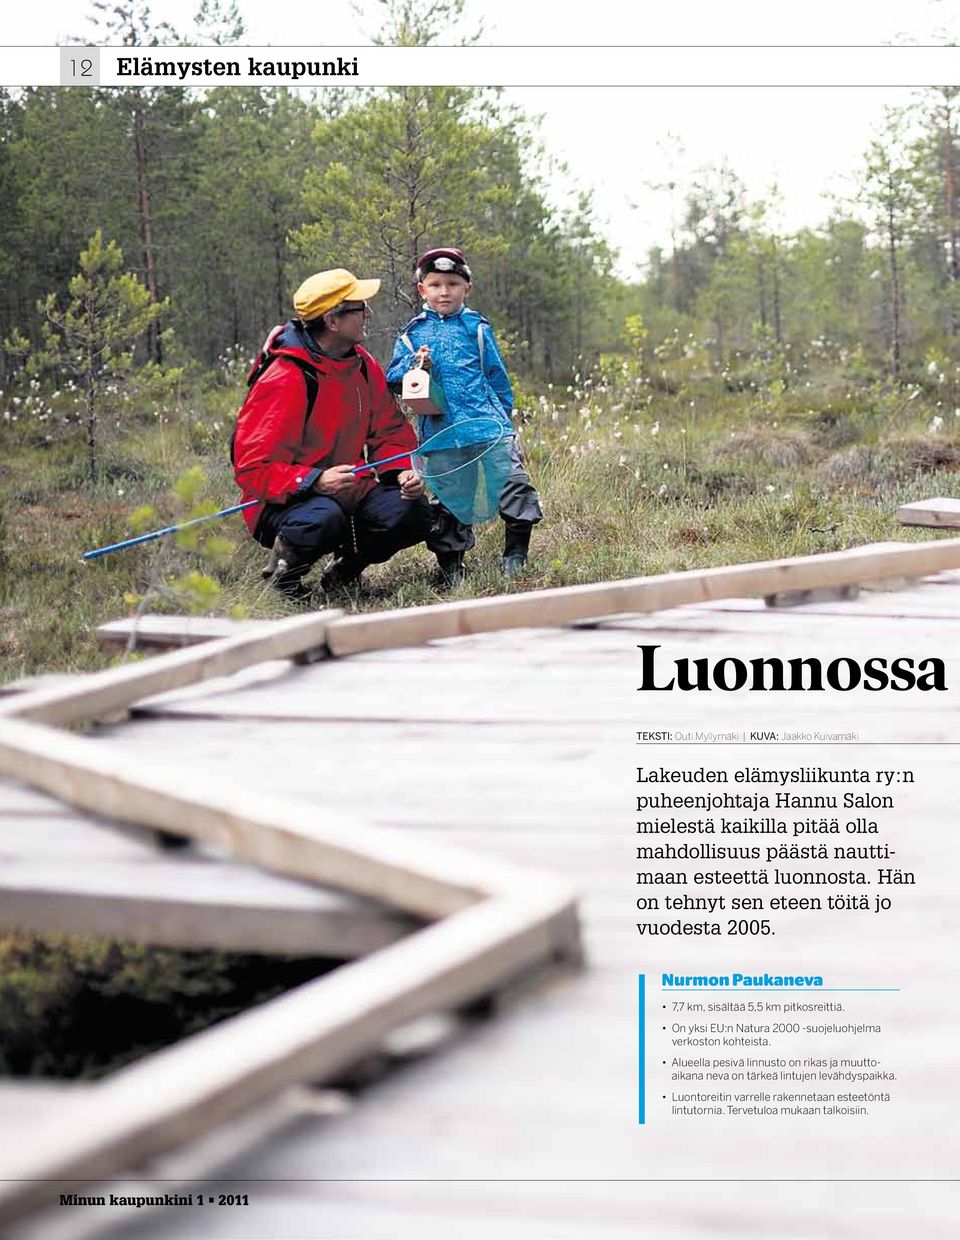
x=764, y=67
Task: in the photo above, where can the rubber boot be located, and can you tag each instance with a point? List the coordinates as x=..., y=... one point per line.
x=286, y=569
x=452, y=572
x=516, y=544
x=343, y=573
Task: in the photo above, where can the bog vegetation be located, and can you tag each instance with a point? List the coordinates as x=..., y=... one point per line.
x=754, y=395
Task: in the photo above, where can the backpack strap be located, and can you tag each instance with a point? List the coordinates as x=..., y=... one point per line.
x=480, y=343
x=310, y=379
x=311, y=382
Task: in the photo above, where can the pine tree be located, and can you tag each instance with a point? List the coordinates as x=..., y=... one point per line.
x=890, y=192
x=91, y=338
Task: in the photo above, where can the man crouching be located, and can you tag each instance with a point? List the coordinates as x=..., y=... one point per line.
x=319, y=406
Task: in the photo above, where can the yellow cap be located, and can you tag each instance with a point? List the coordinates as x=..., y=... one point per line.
x=327, y=289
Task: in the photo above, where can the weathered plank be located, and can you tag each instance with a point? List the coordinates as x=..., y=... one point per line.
x=152, y=632
x=281, y=834
x=940, y=512
x=180, y=1171
x=30, y=684
x=117, y=688
x=65, y=872
x=565, y=605
x=192, y=1087
x=307, y=1034
x=29, y=1104
x=19, y=801
x=192, y=904
x=936, y=598
x=39, y=837
x=103, y=693
x=523, y=1089
x=561, y=689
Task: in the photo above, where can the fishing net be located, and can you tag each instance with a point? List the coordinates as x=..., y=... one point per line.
x=466, y=465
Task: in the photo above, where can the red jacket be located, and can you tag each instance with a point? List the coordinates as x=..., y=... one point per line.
x=278, y=451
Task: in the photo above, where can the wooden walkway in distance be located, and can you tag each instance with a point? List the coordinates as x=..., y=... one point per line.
x=520, y=746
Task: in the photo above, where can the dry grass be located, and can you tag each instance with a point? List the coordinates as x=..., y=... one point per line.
x=780, y=447
x=634, y=480
x=871, y=467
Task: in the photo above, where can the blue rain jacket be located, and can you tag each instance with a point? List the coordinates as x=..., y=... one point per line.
x=454, y=343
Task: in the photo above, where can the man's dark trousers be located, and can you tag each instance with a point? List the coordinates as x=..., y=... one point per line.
x=382, y=524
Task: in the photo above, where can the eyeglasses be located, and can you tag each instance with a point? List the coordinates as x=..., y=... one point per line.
x=363, y=308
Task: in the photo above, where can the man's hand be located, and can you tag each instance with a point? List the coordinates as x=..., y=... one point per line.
x=339, y=482
x=410, y=485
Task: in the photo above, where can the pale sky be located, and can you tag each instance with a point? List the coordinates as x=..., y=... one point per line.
x=618, y=142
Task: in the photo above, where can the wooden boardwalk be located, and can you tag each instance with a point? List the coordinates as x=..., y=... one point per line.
x=64, y=872
x=520, y=747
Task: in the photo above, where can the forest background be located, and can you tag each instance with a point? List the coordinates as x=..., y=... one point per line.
x=755, y=393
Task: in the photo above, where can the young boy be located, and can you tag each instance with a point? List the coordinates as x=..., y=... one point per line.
x=458, y=346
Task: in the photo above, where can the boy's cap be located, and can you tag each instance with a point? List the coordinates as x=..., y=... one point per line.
x=448, y=261
x=327, y=289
